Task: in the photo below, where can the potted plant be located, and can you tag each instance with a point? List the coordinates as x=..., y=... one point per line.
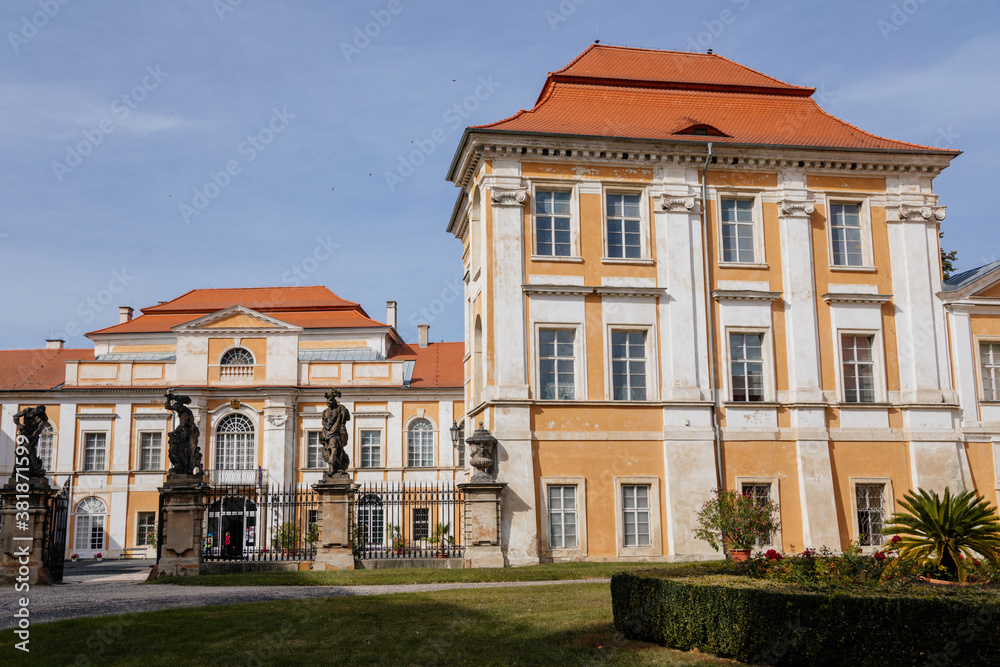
x=736, y=521
x=98, y=556
x=946, y=534
x=440, y=537
x=75, y=557
x=396, y=536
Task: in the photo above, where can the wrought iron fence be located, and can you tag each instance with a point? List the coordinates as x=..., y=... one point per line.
x=245, y=522
x=56, y=527
x=408, y=520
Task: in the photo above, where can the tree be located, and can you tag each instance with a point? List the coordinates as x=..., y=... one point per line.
x=948, y=260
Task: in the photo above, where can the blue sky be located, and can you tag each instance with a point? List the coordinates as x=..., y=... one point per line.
x=151, y=148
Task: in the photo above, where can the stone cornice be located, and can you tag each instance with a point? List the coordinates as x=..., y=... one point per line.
x=564, y=290
x=744, y=295
x=647, y=292
x=96, y=415
x=850, y=297
x=690, y=203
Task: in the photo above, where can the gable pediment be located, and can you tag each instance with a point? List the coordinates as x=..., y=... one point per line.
x=236, y=318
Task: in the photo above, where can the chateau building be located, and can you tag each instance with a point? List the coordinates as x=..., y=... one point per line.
x=683, y=273
x=256, y=364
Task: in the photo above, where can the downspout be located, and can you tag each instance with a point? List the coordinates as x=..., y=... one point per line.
x=717, y=433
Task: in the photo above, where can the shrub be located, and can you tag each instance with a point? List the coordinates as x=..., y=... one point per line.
x=287, y=536
x=736, y=519
x=767, y=622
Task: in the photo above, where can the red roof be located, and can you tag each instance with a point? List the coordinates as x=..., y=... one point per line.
x=437, y=365
x=614, y=91
x=25, y=370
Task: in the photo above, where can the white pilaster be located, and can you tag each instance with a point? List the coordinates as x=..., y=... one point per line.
x=446, y=451
x=122, y=425
x=690, y=479
x=936, y=466
x=279, y=448
x=519, y=527
x=8, y=438
x=395, y=442
x=816, y=495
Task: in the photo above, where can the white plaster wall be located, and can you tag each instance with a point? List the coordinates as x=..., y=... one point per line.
x=690, y=474
x=937, y=465
x=519, y=528
x=282, y=360
x=8, y=438
x=191, y=366
x=394, y=440
x=820, y=525
x=122, y=437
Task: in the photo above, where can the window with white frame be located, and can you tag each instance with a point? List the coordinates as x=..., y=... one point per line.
x=371, y=448
x=628, y=365
x=635, y=515
x=150, y=450
x=623, y=218
x=562, y=516
x=90, y=519
x=235, y=443
x=746, y=364
x=870, y=503
x=846, y=235
x=738, y=243
x=761, y=494
x=461, y=446
x=47, y=448
x=95, y=451
x=420, y=444
x=989, y=364
x=145, y=528
x=858, y=364
x=552, y=223
x=556, y=361
x=237, y=356
x=314, y=450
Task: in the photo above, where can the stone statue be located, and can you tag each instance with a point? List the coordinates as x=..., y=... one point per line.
x=334, y=435
x=185, y=455
x=31, y=422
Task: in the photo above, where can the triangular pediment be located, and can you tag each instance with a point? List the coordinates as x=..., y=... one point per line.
x=237, y=318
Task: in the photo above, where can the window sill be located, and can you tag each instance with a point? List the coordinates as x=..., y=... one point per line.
x=873, y=405
x=556, y=258
x=751, y=404
x=743, y=265
x=854, y=269
x=643, y=261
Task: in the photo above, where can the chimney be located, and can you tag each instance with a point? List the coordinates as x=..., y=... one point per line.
x=424, y=328
x=124, y=314
x=54, y=343
x=390, y=313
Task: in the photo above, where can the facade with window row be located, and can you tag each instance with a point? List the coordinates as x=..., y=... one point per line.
x=256, y=364
x=681, y=272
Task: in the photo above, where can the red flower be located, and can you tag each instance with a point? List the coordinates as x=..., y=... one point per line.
x=976, y=563
x=879, y=555
x=773, y=555
x=896, y=538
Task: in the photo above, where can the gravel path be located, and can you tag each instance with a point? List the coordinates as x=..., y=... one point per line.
x=121, y=595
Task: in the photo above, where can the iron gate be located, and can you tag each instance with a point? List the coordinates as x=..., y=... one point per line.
x=408, y=520
x=56, y=525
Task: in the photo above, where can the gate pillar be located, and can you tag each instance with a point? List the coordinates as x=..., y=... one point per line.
x=334, y=551
x=482, y=516
x=182, y=522
x=23, y=534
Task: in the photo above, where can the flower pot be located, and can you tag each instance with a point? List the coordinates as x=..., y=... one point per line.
x=740, y=555
x=942, y=582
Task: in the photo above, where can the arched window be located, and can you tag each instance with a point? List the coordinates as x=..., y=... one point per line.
x=235, y=443
x=46, y=448
x=371, y=519
x=236, y=362
x=91, y=516
x=420, y=438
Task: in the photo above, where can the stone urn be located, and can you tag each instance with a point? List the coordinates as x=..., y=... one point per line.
x=481, y=446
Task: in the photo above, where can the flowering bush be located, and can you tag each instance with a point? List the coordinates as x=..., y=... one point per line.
x=771, y=554
x=737, y=520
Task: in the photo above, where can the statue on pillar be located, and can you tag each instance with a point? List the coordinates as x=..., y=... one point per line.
x=185, y=455
x=31, y=423
x=333, y=437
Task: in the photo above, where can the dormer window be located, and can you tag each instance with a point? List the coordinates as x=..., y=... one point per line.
x=703, y=130
x=236, y=362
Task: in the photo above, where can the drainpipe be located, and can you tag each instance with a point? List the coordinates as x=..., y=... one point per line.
x=711, y=320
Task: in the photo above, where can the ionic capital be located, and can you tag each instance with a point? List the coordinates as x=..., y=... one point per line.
x=795, y=208
x=680, y=204
x=502, y=197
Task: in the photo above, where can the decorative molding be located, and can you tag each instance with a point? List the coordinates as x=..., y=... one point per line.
x=623, y=290
x=506, y=197
x=277, y=420
x=96, y=415
x=796, y=207
x=744, y=295
x=689, y=204
x=906, y=213
x=854, y=297
x=151, y=415
x=566, y=290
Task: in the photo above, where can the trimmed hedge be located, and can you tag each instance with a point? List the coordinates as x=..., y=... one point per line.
x=762, y=622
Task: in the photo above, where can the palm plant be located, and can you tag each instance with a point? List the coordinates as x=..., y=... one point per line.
x=946, y=532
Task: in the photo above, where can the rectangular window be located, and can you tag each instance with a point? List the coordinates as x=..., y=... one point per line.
x=870, y=513
x=145, y=528
x=552, y=220
x=737, y=230
x=421, y=523
x=94, y=451
x=989, y=360
x=371, y=449
x=845, y=234
x=555, y=363
x=624, y=225
x=859, y=369
x=314, y=450
x=746, y=360
x=46, y=449
x=150, y=451
x=461, y=446
x=89, y=532
x=761, y=493
x=312, y=519
x=635, y=515
x=562, y=517
x=628, y=365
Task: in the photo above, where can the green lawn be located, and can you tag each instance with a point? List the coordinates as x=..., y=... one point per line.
x=544, y=572
x=556, y=625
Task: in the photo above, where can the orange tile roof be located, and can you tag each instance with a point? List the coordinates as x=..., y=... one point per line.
x=263, y=299
x=437, y=365
x=319, y=319
x=611, y=91
x=25, y=370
